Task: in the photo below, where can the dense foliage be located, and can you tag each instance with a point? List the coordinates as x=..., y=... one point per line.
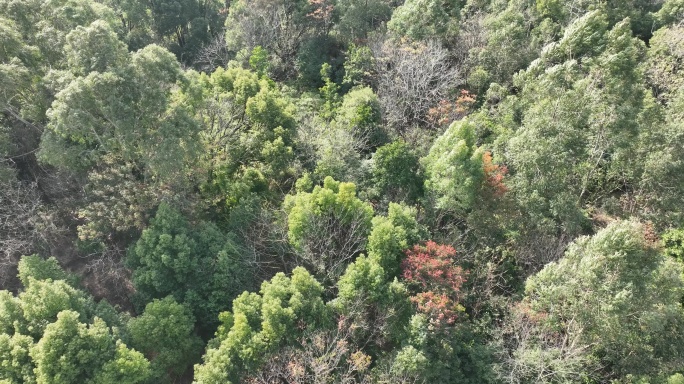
x=342, y=191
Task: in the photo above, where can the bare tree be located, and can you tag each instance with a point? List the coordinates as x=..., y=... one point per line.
x=528, y=351
x=20, y=207
x=278, y=26
x=535, y=249
x=321, y=357
x=333, y=240
x=264, y=237
x=412, y=79
x=107, y=276
x=212, y=55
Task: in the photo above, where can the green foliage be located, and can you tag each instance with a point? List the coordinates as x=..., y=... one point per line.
x=42, y=300
x=71, y=352
x=164, y=333
x=396, y=173
x=661, y=148
x=16, y=366
x=258, y=61
x=456, y=356
x=391, y=235
x=328, y=227
x=358, y=18
x=671, y=12
x=247, y=132
x=358, y=65
x=127, y=366
x=454, y=169
x=329, y=92
x=426, y=19
x=663, y=68
x=673, y=242
x=622, y=295
x=198, y=265
x=54, y=333
x=577, y=134
x=95, y=48
x=36, y=268
x=115, y=112
x=259, y=323
x=359, y=113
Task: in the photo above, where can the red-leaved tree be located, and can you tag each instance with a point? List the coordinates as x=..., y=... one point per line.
x=430, y=272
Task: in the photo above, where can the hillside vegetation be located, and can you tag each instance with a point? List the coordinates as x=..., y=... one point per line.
x=341, y=191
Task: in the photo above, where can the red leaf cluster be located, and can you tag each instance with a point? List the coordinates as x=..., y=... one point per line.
x=431, y=270
x=494, y=175
x=447, y=111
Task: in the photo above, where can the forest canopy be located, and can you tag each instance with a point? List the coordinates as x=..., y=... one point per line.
x=341, y=191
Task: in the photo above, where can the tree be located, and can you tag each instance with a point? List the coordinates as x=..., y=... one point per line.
x=658, y=190
x=321, y=357
x=613, y=298
x=52, y=332
x=199, y=266
x=426, y=19
x=115, y=112
x=261, y=323
x=663, y=68
x=182, y=26
x=359, y=18
x=247, y=133
x=164, y=334
x=372, y=303
x=328, y=227
x=278, y=26
x=431, y=270
x=454, y=168
x=17, y=366
x=95, y=48
x=35, y=268
x=580, y=119
x=70, y=351
x=396, y=173
x=412, y=79
x=360, y=113
x=43, y=300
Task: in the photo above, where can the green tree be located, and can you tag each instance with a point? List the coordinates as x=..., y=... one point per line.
x=663, y=68
x=16, y=365
x=52, y=332
x=360, y=113
x=115, y=112
x=617, y=296
x=260, y=323
x=454, y=168
x=328, y=227
x=247, y=132
x=396, y=173
x=43, y=300
x=35, y=268
x=95, y=48
x=359, y=18
x=71, y=352
x=426, y=19
x=576, y=137
x=658, y=166
x=199, y=266
x=164, y=333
